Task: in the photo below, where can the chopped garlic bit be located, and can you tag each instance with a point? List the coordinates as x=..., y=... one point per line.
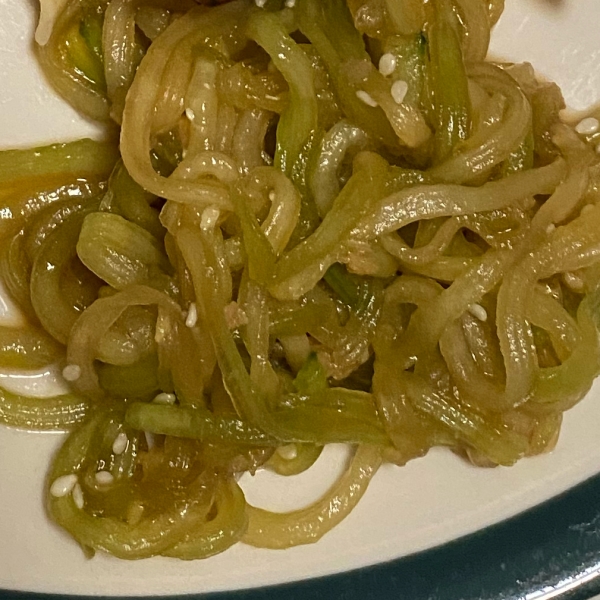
x=192, y=316
x=160, y=333
x=573, y=281
x=189, y=113
x=165, y=398
x=235, y=315
x=366, y=98
x=150, y=439
x=290, y=3
x=62, y=486
x=399, y=90
x=587, y=126
x=71, y=372
x=387, y=64
x=210, y=217
x=260, y=3
x=135, y=512
x=478, y=312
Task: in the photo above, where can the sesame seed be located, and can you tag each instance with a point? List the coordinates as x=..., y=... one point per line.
x=209, y=218
x=78, y=496
x=290, y=3
x=399, y=89
x=62, y=486
x=272, y=196
x=366, y=98
x=550, y=229
x=587, y=126
x=165, y=398
x=478, y=312
x=387, y=64
x=120, y=444
x=189, y=113
x=71, y=372
x=192, y=316
x=587, y=209
x=260, y=3
x=104, y=477
x=288, y=452
x=573, y=281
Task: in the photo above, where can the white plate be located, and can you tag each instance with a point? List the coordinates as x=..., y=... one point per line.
x=430, y=501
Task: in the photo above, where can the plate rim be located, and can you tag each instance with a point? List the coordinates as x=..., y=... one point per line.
x=548, y=552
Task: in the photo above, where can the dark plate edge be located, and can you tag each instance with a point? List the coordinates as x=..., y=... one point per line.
x=551, y=551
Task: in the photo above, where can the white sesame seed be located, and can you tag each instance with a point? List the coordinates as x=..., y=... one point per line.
x=209, y=218
x=550, y=229
x=120, y=444
x=78, y=496
x=399, y=89
x=260, y=3
x=71, y=372
x=588, y=208
x=387, y=64
x=272, y=196
x=366, y=98
x=587, y=126
x=165, y=398
x=192, y=316
x=290, y=3
x=573, y=281
x=150, y=440
x=62, y=486
x=288, y=452
x=104, y=477
x=189, y=113
x=478, y=312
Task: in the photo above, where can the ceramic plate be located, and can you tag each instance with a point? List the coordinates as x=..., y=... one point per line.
x=435, y=529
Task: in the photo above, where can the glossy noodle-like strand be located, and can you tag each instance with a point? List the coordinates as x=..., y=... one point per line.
x=308, y=223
